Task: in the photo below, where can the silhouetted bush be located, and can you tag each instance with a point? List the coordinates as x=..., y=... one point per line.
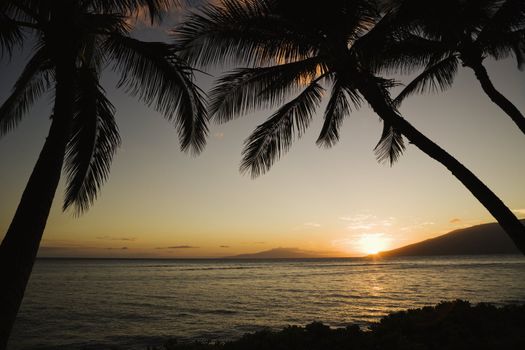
x=448, y=325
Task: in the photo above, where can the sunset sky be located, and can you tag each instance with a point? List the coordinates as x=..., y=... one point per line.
x=160, y=202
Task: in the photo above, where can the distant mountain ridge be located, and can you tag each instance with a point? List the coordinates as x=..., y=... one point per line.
x=475, y=240
x=279, y=253
x=485, y=239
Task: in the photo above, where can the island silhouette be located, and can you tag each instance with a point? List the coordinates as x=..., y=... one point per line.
x=281, y=253
x=482, y=239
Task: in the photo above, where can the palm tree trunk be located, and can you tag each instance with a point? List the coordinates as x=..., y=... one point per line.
x=20, y=244
x=496, y=97
x=508, y=221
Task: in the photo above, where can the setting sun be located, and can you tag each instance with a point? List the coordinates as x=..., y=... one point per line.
x=373, y=243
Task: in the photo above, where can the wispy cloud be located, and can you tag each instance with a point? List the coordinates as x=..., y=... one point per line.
x=52, y=248
x=61, y=244
x=455, y=221
x=308, y=226
x=357, y=217
x=113, y=248
x=179, y=247
x=224, y=246
x=109, y=238
x=366, y=222
x=312, y=224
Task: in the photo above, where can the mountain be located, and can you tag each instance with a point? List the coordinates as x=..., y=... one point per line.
x=279, y=253
x=480, y=239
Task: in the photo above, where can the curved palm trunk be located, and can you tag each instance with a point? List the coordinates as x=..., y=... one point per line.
x=508, y=221
x=496, y=97
x=20, y=245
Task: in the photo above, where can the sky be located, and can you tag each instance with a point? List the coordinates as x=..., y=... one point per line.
x=160, y=202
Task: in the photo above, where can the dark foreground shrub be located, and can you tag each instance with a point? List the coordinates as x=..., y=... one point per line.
x=453, y=325
x=448, y=325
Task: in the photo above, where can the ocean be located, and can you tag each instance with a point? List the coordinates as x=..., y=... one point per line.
x=132, y=304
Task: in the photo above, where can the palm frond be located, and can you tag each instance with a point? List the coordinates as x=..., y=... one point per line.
x=383, y=36
x=11, y=36
x=107, y=23
x=510, y=16
x=507, y=44
x=275, y=136
x=239, y=32
x=407, y=52
x=92, y=53
x=36, y=78
x=154, y=9
x=390, y=146
x=336, y=20
x=337, y=109
x=448, y=20
x=437, y=77
x=152, y=71
x=93, y=142
x=245, y=89
x=21, y=10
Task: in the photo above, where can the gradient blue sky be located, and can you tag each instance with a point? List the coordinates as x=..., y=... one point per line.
x=160, y=202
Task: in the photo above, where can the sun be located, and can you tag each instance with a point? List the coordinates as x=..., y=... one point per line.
x=373, y=243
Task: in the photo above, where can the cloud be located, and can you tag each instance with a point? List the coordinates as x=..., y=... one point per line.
x=64, y=245
x=178, y=247
x=455, y=221
x=109, y=238
x=121, y=248
x=366, y=222
x=416, y=226
x=357, y=217
x=361, y=226
x=308, y=226
x=224, y=246
x=44, y=248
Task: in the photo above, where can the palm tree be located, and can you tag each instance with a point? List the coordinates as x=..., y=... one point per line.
x=446, y=33
x=74, y=41
x=297, y=48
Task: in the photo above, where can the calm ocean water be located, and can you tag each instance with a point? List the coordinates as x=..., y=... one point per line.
x=128, y=304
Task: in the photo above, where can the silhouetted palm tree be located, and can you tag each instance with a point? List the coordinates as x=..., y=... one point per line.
x=293, y=47
x=74, y=40
x=446, y=33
